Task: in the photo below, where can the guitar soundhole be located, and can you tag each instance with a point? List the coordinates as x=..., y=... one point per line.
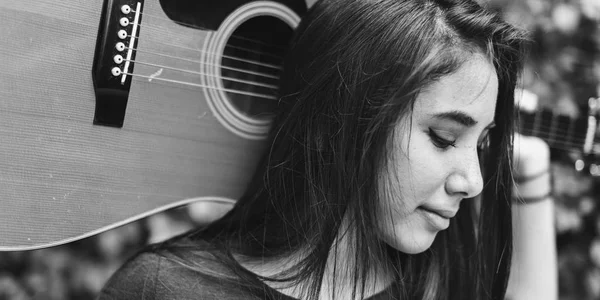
x=251, y=65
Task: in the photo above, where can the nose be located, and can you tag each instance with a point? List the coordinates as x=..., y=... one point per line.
x=465, y=179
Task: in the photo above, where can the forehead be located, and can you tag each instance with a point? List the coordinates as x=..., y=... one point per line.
x=472, y=89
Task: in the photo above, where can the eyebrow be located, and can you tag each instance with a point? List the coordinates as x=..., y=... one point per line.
x=460, y=118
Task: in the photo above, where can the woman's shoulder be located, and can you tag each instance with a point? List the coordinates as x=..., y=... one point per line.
x=151, y=275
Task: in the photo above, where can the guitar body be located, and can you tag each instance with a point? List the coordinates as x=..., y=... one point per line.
x=62, y=177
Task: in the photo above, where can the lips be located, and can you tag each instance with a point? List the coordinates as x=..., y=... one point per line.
x=444, y=213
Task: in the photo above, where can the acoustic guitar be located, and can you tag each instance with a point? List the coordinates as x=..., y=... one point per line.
x=114, y=110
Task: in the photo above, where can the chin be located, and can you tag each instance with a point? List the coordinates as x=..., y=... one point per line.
x=414, y=243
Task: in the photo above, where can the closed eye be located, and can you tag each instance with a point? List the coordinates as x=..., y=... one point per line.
x=439, y=141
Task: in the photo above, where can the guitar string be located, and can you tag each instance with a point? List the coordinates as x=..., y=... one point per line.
x=195, y=26
x=552, y=130
x=227, y=45
x=254, y=51
x=259, y=42
x=557, y=138
x=248, y=82
x=150, y=78
x=567, y=144
x=205, y=63
x=557, y=132
x=559, y=129
x=572, y=146
x=271, y=66
x=556, y=124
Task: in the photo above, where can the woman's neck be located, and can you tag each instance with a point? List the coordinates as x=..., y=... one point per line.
x=338, y=275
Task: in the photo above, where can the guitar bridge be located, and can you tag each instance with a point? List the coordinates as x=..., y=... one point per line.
x=113, y=60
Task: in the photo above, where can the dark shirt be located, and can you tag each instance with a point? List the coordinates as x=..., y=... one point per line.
x=149, y=276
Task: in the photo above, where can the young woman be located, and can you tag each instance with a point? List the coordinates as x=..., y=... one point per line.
x=393, y=116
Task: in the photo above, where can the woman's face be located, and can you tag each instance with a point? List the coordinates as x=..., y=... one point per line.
x=434, y=163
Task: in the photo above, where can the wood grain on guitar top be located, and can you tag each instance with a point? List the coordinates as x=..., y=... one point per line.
x=62, y=177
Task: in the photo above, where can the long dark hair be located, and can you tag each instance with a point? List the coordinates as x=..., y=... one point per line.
x=354, y=68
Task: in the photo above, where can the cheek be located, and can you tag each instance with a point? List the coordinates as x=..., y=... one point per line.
x=421, y=170
x=414, y=173
x=415, y=177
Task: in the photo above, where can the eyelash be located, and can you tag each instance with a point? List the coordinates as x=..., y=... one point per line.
x=443, y=143
x=440, y=142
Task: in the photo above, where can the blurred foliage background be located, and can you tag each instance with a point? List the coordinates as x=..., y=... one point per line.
x=562, y=72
